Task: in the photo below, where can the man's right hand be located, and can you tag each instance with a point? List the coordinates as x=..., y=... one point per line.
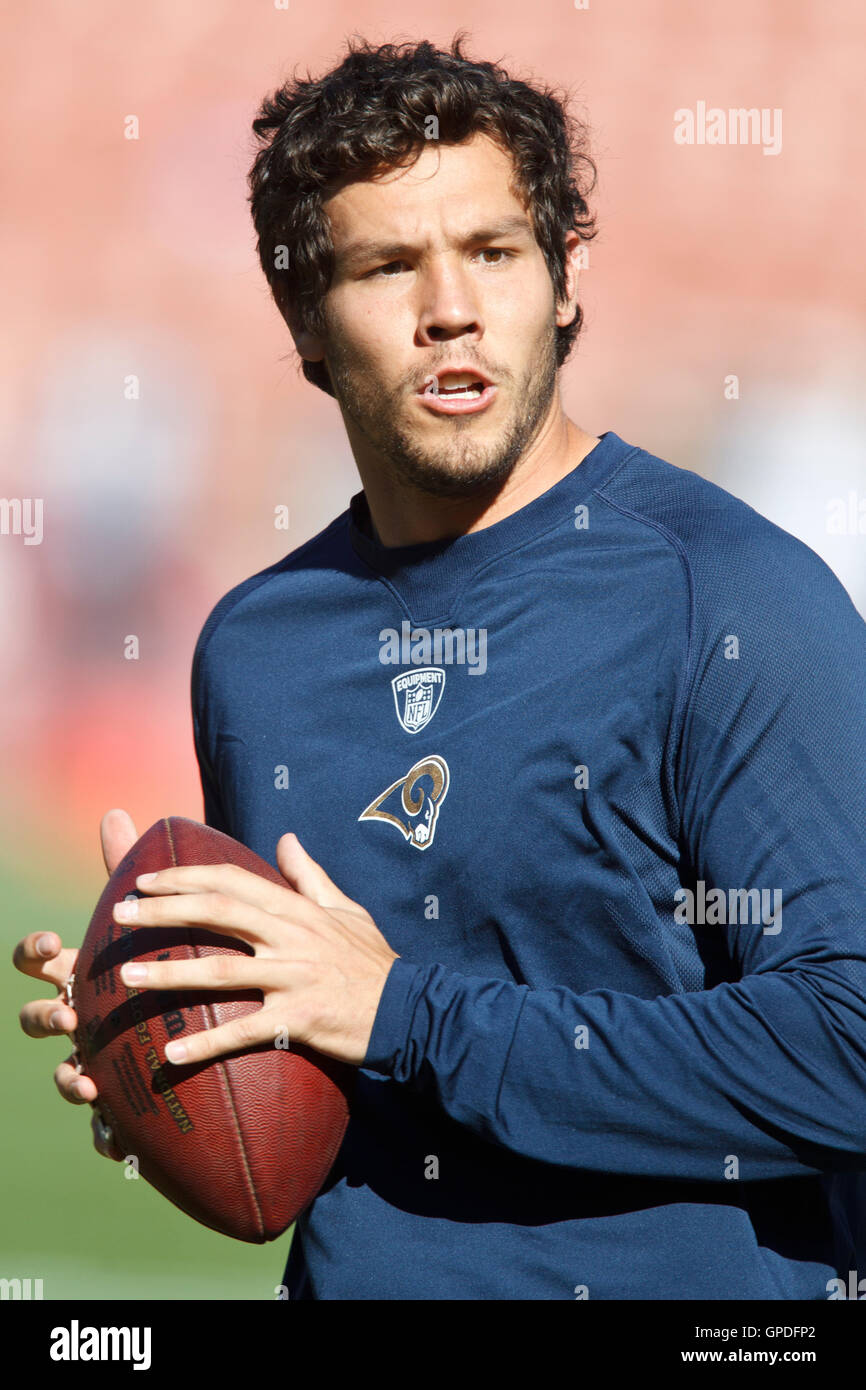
x=42, y=955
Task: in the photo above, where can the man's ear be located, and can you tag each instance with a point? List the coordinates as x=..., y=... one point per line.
x=566, y=308
x=308, y=345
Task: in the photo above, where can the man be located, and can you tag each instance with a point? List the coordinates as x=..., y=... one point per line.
x=571, y=745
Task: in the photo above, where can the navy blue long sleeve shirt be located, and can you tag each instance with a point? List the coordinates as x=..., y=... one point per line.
x=598, y=772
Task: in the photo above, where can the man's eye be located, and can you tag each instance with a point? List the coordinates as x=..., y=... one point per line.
x=388, y=271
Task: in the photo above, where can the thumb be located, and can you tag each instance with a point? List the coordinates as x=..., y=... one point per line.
x=118, y=834
x=306, y=876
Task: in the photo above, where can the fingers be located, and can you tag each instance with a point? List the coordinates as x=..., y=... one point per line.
x=103, y=1140
x=72, y=1085
x=118, y=834
x=81, y=1090
x=218, y=911
x=47, y=1018
x=308, y=877
x=307, y=883
x=227, y=879
x=237, y=1036
x=229, y=972
x=41, y=955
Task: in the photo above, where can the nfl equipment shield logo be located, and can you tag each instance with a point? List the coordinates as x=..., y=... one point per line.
x=417, y=695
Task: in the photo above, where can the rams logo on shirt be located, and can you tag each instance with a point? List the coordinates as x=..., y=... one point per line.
x=412, y=802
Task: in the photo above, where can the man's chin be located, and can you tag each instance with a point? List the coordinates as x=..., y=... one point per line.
x=461, y=456
x=458, y=473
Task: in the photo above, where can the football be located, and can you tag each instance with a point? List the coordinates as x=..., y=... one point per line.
x=243, y=1142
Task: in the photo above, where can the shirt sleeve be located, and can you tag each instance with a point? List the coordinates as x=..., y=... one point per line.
x=214, y=814
x=763, y=1076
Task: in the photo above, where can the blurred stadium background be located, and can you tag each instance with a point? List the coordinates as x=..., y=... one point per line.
x=135, y=257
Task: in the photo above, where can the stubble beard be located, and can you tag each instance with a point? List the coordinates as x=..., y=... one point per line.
x=459, y=466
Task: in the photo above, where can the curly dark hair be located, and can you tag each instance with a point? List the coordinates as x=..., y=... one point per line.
x=369, y=115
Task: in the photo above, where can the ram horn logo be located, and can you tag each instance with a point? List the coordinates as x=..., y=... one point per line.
x=412, y=807
x=417, y=695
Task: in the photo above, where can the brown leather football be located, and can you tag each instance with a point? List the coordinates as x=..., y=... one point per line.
x=244, y=1142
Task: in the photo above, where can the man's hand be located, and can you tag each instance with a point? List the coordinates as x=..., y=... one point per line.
x=320, y=960
x=42, y=955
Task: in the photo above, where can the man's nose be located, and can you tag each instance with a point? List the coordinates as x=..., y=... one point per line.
x=449, y=306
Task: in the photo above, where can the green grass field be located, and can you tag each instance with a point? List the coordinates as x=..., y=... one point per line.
x=67, y=1215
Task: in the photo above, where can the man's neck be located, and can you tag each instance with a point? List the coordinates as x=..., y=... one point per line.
x=402, y=515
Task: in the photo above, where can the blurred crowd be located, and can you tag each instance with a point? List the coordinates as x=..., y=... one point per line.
x=149, y=393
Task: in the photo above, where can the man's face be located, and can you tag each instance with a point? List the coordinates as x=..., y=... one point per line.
x=437, y=267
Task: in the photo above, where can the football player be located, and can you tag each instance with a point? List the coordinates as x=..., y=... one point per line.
x=559, y=748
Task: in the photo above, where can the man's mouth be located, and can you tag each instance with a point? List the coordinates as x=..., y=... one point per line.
x=450, y=390
x=459, y=386
x=457, y=382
